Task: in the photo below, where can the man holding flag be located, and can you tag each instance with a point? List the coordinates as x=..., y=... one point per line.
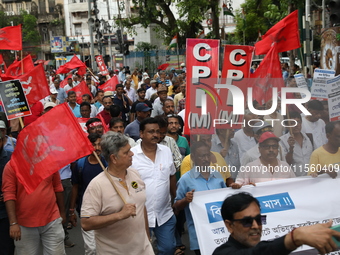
x=29, y=226
x=32, y=188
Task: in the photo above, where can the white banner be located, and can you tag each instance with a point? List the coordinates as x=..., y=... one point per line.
x=319, y=89
x=287, y=203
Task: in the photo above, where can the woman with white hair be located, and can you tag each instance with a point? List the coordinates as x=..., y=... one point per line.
x=114, y=202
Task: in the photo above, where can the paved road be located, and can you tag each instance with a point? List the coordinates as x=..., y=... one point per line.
x=78, y=249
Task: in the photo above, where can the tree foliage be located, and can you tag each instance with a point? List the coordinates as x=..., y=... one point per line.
x=145, y=46
x=160, y=12
x=259, y=15
x=30, y=33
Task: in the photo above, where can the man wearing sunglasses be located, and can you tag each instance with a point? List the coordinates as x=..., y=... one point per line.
x=242, y=217
x=267, y=167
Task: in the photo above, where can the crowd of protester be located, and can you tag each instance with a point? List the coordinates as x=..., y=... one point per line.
x=151, y=173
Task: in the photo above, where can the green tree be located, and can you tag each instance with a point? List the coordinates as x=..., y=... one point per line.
x=191, y=14
x=30, y=34
x=145, y=46
x=251, y=20
x=4, y=21
x=260, y=15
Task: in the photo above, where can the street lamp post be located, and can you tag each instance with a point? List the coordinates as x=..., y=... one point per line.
x=110, y=48
x=90, y=24
x=82, y=47
x=104, y=28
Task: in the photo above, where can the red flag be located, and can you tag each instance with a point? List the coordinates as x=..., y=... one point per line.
x=285, y=34
x=35, y=84
x=74, y=63
x=80, y=90
x=43, y=148
x=15, y=68
x=11, y=38
x=63, y=83
x=82, y=123
x=106, y=128
x=2, y=62
x=267, y=76
x=163, y=66
x=81, y=71
x=110, y=85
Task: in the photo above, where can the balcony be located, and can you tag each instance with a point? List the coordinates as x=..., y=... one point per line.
x=47, y=17
x=78, y=7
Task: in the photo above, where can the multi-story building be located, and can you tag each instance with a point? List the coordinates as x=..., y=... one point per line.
x=50, y=21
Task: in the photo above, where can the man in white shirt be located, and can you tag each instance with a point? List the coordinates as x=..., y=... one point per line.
x=254, y=153
x=267, y=167
x=297, y=146
x=76, y=79
x=162, y=92
x=155, y=165
x=128, y=87
x=245, y=137
x=313, y=124
x=152, y=90
x=69, y=85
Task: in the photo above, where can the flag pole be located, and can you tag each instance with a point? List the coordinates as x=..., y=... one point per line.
x=22, y=63
x=177, y=53
x=109, y=177
x=21, y=123
x=88, y=69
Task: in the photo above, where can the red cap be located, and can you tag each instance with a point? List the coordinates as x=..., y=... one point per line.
x=268, y=135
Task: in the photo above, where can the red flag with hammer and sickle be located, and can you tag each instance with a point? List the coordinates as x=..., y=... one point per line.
x=35, y=85
x=267, y=77
x=20, y=67
x=11, y=38
x=285, y=34
x=81, y=89
x=46, y=145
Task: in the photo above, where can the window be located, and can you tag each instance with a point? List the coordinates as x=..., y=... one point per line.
x=28, y=7
x=42, y=6
x=9, y=7
x=19, y=7
x=51, y=5
x=77, y=29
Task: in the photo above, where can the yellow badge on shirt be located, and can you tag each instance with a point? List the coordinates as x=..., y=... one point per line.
x=134, y=185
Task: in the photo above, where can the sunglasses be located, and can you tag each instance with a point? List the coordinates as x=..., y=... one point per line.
x=247, y=222
x=172, y=115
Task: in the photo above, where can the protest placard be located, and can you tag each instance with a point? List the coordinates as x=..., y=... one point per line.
x=14, y=99
x=319, y=89
x=333, y=91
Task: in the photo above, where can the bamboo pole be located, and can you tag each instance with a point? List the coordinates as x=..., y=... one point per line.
x=109, y=177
